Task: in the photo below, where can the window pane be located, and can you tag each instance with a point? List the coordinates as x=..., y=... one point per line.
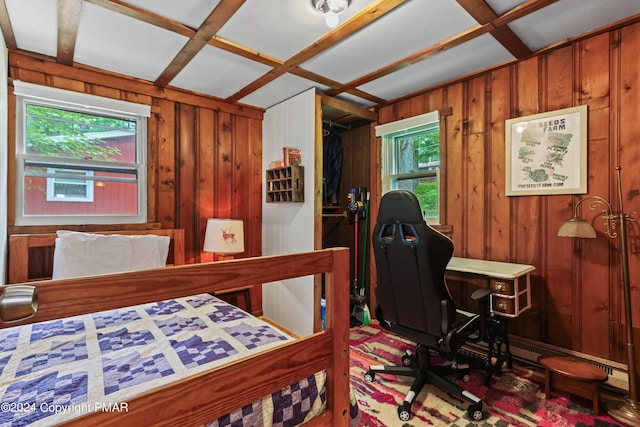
x=425, y=189
x=411, y=161
x=80, y=158
x=67, y=187
x=70, y=189
x=417, y=151
x=69, y=134
x=114, y=193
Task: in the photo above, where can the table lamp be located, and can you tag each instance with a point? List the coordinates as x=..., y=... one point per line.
x=224, y=237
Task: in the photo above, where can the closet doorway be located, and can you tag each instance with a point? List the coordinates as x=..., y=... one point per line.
x=344, y=145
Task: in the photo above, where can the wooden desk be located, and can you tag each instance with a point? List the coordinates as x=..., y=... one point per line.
x=510, y=282
x=511, y=286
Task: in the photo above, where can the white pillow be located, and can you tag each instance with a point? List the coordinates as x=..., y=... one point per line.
x=80, y=254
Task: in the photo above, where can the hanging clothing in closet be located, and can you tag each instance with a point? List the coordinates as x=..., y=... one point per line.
x=331, y=165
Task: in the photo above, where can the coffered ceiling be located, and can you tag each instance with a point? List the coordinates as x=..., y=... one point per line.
x=261, y=52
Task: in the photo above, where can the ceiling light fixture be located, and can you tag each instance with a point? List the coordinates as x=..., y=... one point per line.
x=331, y=9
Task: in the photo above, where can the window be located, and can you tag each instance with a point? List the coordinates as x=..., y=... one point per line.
x=411, y=160
x=68, y=186
x=80, y=159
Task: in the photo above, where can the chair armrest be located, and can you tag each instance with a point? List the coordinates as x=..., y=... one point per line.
x=481, y=293
x=483, y=297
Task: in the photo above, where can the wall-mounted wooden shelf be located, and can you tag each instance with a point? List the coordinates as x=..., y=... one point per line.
x=285, y=185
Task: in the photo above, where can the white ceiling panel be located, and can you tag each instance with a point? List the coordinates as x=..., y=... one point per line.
x=477, y=54
x=117, y=43
x=191, y=13
x=284, y=87
x=280, y=28
x=550, y=24
x=503, y=6
x=218, y=73
x=361, y=102
x=412, y=27
x=35, y=32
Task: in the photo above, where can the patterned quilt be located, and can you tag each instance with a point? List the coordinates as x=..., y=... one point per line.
x=57, y=370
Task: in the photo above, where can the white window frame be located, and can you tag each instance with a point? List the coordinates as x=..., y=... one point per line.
x=387, y=132
x=27, y=93
x=52, y=195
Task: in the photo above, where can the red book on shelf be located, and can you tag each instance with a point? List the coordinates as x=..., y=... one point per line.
x=292, y=156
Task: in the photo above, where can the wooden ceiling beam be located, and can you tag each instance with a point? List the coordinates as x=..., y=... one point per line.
x=356, y=23
x=216, y=19
x=349, y=108
x=479, y=10
x=181, y=29
x=221, y=43
x=94, y=76
x=522, y=10
x=69, y=12
x=484, y=14
x=68, y=21
x=415, y=58
x=334, y=84
x=7, y=29
x=490, y=27
x=144, y=16
x=244, y=52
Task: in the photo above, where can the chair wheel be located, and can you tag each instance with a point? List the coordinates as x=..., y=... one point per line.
x=464, y=375
x=475, y=412
x=369, y=376
x=406, y=360
x=404, y=412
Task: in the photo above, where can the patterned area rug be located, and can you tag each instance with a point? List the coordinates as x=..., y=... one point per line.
x=511, y=399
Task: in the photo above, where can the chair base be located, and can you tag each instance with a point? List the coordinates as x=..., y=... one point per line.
x=424, y=374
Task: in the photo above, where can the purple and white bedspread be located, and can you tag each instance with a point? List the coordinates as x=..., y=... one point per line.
x=57, y=370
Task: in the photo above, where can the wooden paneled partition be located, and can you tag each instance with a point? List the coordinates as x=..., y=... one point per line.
x=578, y=302
x=204, y=155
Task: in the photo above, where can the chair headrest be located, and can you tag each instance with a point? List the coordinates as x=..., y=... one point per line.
x=400, y=205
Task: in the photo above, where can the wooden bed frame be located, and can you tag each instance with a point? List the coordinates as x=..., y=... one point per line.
x=218, y=391
x=21, y=248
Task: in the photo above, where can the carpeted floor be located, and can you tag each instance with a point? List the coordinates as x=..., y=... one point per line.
x=511, y=400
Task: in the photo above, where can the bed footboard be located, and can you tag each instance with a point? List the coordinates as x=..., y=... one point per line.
x=213, y=393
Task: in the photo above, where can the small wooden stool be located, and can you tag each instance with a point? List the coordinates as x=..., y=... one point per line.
x=231, y=296
x=573, y=376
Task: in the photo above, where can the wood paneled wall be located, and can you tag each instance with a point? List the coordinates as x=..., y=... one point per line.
x=578, y=301
x=204, y=155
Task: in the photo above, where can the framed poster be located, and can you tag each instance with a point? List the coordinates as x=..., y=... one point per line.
x=546, y=153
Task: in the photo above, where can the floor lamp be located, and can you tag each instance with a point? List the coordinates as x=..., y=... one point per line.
x=626, y=410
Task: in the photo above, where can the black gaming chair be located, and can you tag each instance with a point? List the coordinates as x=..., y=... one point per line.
x=413, y=300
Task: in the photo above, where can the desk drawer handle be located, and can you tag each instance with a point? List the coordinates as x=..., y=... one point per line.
x=501, y=305
x=500, y=286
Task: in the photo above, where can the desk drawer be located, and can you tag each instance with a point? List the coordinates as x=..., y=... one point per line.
x=510, y=306
x=503, y=305
x=502, y=286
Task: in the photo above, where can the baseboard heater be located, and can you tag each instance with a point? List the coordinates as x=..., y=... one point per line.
x=528, y=351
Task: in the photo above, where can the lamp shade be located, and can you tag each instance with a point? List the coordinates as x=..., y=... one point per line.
x=224, y=236
x=577, y=227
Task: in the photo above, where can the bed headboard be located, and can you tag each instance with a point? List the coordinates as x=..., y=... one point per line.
x=24, y=266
